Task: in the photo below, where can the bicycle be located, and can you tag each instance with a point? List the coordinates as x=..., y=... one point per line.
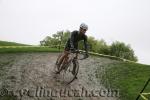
x=65, y=70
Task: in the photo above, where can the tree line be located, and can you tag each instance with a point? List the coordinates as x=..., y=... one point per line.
x=118, y=49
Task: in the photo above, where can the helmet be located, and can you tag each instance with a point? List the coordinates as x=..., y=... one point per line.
x=84, y=26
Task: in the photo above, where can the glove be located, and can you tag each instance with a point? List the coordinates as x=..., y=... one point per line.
x=72, y=49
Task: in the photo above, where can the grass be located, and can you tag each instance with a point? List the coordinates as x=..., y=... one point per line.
x=12, y=47
x=5, y=43
x=28, y=49
x=129, y=78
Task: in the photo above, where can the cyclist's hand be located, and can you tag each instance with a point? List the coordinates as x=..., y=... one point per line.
x=72, y=49
x=86, y=55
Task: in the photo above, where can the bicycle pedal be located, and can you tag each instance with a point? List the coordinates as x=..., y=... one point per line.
x=76, y=77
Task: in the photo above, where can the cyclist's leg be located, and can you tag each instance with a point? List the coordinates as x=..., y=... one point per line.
x=74, y=65
x=58, y=58
x=61, y=61
x=64, y=62
x=65, y=53
x=61, y=58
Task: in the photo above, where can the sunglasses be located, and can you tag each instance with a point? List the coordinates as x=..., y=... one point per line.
x=83, y=29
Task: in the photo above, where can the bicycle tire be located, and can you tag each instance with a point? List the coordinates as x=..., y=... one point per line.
x=76, y=64
x=64, y=72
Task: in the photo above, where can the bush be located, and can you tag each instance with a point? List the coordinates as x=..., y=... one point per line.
x=119, y=49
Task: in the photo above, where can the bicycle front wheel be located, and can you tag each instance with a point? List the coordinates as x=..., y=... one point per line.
x=67, y=73
x=76, y=65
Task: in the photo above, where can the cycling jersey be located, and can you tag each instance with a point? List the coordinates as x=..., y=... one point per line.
x=74, y=39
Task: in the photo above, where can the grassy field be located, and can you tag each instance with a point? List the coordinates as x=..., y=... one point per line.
x=28, y=49
x=12, y=47
x=129, y=78
x=5, y=43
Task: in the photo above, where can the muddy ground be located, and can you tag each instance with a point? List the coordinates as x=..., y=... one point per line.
x=29, y=76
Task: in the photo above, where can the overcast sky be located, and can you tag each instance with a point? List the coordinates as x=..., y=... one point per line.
x=29, y=21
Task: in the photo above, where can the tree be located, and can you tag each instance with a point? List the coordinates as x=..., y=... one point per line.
x=119, y=49
x=98, y=46
x=65, y=37
x=57, y=39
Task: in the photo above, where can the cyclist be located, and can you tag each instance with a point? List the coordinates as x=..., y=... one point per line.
x=72, y=44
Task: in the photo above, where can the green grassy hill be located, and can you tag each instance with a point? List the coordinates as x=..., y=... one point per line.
x=6, y=43
x=12, y=47
x=128, y=77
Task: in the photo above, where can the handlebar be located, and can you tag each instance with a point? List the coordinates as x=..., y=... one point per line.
x=76, y=51
x=81, y=52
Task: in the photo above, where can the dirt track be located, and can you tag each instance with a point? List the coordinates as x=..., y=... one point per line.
x=33, y=72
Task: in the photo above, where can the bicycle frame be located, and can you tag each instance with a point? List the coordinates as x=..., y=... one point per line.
x=66, y=66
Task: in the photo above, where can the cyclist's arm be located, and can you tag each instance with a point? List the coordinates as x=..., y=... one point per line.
x=72, y=39
x=85, y=44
